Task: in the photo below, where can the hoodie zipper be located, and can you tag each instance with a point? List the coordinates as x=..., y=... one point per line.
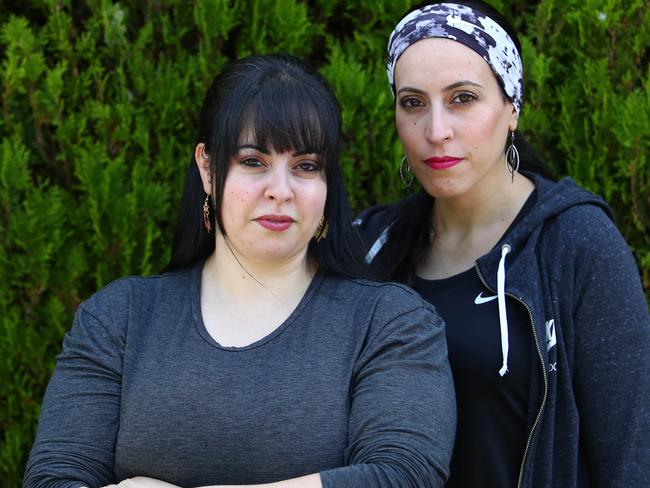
x=544, y=374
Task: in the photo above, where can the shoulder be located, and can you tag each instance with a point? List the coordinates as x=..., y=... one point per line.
x=375, y=223
x=389, y=324
x=571, y=218
x=374, y=291
x=588, y=230
x=582, y=245
x=586, y=217
x=123, y=290
x=381, y=303
x=595, y=254
x=373, y=220
x=131, y=296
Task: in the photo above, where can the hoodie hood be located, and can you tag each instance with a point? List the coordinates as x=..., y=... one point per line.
x=552, y=200
x=516, y=253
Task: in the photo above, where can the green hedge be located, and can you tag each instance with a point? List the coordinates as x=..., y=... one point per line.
x=98, y=105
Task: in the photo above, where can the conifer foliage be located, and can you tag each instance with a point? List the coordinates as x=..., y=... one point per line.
x=98, y=100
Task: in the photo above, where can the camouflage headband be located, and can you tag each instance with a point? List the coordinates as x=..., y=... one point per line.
x=469, y=27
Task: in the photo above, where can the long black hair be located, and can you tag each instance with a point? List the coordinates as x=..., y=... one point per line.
x=410, y=235
x=283, y=104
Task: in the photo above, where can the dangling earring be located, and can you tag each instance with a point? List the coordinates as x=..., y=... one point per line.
x=405, y=172
x=206, y=214
x=512, y=157
x=323, y=228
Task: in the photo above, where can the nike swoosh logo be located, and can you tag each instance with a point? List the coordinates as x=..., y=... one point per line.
x=480, y=299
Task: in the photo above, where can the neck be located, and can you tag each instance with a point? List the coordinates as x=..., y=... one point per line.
x=493, y=203
x=241, y=280
x=468, y=226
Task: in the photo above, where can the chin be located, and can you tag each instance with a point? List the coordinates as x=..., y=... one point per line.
x=443, y=190
x=278, y=255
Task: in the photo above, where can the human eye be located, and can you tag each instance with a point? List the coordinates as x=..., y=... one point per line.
x=463, y=98
x=250, y=162
x=308, y=166
x=410, y=102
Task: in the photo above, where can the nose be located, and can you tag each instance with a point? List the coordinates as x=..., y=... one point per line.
x=438, y=127
x=279, y=184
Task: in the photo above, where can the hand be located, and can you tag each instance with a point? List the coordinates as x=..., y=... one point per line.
x=142, y=482
x=309, y=481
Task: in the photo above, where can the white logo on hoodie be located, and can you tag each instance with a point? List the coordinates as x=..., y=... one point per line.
x=551, y=340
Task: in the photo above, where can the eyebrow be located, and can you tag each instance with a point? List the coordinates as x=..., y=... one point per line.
x=462, y=83
x=447, y=88
x=302, y=152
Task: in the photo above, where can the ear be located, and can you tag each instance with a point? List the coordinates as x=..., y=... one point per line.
x=514, y=119
x=203, y=163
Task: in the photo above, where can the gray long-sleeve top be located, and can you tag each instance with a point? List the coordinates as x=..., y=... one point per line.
x=355, y=384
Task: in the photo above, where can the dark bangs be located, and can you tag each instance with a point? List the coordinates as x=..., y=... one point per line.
x=288, y=116
x=281, y=111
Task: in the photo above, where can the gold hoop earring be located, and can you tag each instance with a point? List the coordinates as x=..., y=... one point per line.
x=322, y=230
x=206, y=214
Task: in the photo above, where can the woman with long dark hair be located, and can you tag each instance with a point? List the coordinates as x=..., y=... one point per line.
x=261, y=355
x=547, y=325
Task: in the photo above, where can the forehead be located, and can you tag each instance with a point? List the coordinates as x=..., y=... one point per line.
x=441, y=61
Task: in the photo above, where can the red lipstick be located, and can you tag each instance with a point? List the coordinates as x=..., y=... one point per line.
x=442, y=162
x=275, y=223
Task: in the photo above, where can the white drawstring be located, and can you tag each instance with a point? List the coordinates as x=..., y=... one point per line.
x=501, y=299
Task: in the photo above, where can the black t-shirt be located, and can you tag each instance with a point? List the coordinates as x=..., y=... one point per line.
x=492, y=409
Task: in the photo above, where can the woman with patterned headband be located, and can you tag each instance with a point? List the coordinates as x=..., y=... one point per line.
x=547, y=326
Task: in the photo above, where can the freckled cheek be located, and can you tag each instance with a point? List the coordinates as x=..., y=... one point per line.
x=319, y=195
x=477, y=135
x=405, y=125
x=236, y=205
x=408, y=134
x=490, y=125
x=240, y=194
